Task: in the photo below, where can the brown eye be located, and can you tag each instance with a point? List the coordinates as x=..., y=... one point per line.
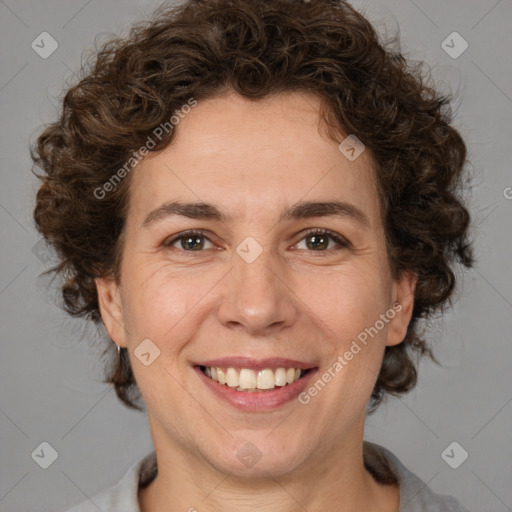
x=190, y=241
x=318, y=240
x=193, y=242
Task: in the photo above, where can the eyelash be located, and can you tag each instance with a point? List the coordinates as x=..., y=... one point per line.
x=341, y=241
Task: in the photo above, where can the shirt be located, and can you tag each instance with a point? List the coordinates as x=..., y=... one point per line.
x=415, y=495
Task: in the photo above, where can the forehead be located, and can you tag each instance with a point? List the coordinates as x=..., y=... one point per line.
x=253, y=157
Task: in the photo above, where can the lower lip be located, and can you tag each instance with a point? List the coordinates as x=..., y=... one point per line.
x=259, y=400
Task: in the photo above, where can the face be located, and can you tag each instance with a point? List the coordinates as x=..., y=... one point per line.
x=286, y=268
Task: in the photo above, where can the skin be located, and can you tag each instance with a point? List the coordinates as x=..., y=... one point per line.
x=254, y=159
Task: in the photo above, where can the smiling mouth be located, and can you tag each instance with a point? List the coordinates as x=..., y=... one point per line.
x=246, y=379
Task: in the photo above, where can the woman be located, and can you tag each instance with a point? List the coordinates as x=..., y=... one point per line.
x=260, y=202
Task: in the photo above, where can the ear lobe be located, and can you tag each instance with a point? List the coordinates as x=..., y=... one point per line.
x=403, y=298
x=111, y=309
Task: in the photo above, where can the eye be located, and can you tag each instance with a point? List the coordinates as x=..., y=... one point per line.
x=191, y=241
x=318, y=240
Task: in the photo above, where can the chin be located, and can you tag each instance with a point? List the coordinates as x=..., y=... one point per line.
x=260, y=458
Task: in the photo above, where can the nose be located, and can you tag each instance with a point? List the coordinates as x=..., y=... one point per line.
x=258, y=298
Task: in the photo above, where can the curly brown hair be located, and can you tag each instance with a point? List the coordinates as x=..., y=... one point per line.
x=203, y=48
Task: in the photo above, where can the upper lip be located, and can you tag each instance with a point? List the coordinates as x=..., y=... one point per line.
x=256, y=364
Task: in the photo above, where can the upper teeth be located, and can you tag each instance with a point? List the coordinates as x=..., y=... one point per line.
x=245, y=378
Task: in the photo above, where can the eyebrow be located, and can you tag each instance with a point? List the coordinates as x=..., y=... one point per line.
x=301, y=210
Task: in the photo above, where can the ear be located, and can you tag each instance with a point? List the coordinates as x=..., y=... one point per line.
x=403, y=305
x=111, y=309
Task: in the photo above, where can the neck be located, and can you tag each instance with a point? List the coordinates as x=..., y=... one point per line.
x=188, y=482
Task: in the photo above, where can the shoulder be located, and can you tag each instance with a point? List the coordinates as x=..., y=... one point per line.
x=415, y=495
x=123, y=496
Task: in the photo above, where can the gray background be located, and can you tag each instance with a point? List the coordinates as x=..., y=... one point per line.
x=50, y=375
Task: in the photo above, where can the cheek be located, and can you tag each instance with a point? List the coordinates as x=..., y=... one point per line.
x=160, y=303
x=349, y=310
x=345, y=301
